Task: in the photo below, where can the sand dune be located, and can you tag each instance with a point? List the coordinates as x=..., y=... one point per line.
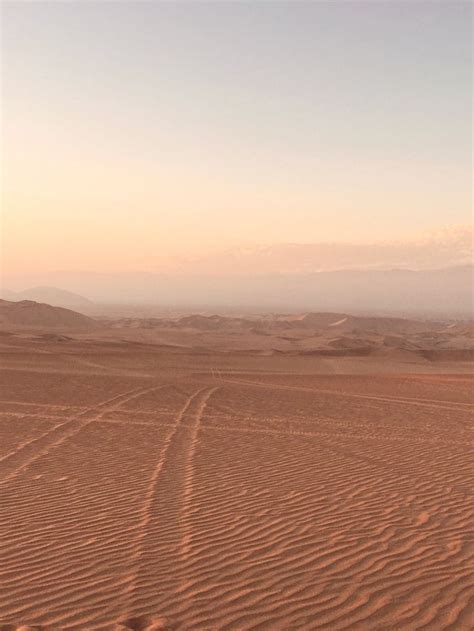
x=50, y=295
x=27, y=313
x=152, y=489
x=309, y=321
x=316, y=334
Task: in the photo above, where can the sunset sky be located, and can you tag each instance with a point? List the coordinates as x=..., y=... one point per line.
x=137, y=130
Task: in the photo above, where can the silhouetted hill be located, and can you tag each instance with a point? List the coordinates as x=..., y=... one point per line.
x=27, y=313
x=55, y=297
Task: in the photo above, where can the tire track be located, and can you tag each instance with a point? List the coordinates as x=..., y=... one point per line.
x=317, y=434
x=46, y=405
x=151, y=488
x=396, y=400
x=29, y=452
x=189, y=475
x=242, y=430
x=166, y=506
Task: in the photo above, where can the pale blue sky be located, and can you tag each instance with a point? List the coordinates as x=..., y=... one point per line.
x=220, y=123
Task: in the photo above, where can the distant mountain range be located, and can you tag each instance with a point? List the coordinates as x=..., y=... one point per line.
x=440, y=292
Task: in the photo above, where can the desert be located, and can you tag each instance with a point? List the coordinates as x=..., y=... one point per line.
x=215, y=472
x=236, y=315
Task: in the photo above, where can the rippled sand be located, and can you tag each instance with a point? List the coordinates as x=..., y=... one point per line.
x=141, y=490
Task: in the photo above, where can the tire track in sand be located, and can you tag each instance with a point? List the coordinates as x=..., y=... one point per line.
x=189, y=475
x=164, y=525
x=26, y=454
x=427, y=403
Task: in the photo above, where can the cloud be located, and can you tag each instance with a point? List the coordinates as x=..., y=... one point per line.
x=444, y=248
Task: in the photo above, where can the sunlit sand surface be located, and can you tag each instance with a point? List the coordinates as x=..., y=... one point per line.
x=146, y=489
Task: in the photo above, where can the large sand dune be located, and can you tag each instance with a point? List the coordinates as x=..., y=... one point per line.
x=50, y=295
x=28, y=313
x=152, y=487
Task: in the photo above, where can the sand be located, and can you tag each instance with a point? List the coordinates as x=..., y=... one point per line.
x=146, y=487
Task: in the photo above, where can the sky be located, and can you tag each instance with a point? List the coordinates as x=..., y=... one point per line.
x=137, y=132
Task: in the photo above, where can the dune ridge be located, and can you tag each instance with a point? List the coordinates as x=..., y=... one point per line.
x=28, y=313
